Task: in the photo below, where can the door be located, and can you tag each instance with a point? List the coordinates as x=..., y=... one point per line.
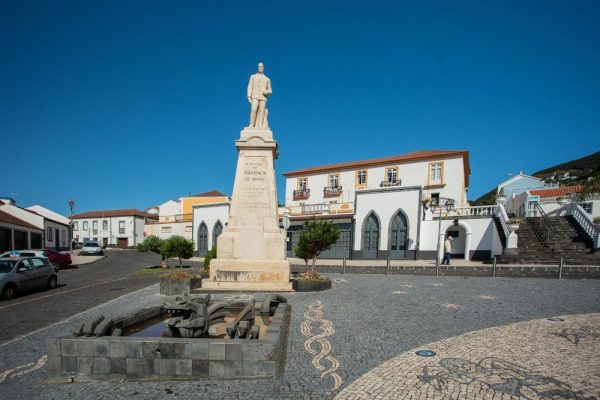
x=398, y=236
x=370, y=237
x=25, y=279
x=57, y=241
x=202, y=240
x=122, y=243
x=104, y=242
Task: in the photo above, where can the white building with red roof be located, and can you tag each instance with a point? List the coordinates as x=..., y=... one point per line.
x=111, y=228
x=382, y=206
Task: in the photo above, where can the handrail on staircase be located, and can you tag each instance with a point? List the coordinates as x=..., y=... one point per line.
x=547, y=228
x=586, y=223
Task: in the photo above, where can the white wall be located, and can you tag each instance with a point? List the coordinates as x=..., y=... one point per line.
x=63, y=236
x=209, y=214
x=480, y=234
x=385, y=203
x=177, y=228
x=168, y=210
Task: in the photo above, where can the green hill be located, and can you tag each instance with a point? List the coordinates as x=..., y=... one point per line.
x=576, y=172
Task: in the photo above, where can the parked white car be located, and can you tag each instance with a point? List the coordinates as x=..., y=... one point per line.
x=91, y=248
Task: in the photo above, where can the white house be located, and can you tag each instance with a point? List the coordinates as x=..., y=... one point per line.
x=209, y=221
x=17, y=234
x=55, y=226
x=170, y=222
x=518, y=184
x=122, y=228
x=383, y=206
x=176, y=217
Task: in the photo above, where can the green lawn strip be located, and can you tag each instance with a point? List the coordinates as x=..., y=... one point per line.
x=157, y=270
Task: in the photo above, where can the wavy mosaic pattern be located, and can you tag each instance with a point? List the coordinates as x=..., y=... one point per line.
x=317, y=344
x=23, y=369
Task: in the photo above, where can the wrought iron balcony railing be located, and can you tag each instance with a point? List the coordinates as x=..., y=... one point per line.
x=332, y=191
x=390, y=183
x=301, y=194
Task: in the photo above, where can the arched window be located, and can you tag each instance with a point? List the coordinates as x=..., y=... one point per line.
x=217, y=230
x=370, y=237
x=202, y=240
x=398, y=237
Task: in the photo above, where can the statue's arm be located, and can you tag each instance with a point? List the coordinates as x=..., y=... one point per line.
x=268, y=91
x=249, y=95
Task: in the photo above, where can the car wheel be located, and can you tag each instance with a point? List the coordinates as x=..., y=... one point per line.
x=9, y=292
x=56, y=266
x=52, y=282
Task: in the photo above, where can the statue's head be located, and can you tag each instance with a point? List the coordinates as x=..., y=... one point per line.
x=261, y=67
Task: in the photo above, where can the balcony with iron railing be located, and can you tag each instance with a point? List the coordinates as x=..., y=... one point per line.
x=301, y=194
x=332, y=191
x=321, y=209
x=388, y=183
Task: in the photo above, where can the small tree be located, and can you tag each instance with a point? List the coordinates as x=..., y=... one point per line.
x=318, y=237
x=178, y=246
x=154, y=244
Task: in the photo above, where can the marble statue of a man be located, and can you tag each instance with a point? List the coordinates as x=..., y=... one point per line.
x=259, y=88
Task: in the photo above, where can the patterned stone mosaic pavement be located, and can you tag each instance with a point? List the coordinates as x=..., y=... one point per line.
x=358, y=339
x=541, y=359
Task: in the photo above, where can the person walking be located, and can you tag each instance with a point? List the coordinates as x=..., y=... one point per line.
x=447, y=250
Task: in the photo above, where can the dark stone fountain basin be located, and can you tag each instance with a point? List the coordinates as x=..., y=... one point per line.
x=139, y=355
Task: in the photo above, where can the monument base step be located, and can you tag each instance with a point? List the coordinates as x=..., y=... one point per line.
x=248, y=275
x=208, y=286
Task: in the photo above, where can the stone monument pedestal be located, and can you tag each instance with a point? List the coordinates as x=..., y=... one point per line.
x=251, y=249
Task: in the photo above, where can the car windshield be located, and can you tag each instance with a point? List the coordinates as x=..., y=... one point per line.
x=6, y=265
x=90, y=244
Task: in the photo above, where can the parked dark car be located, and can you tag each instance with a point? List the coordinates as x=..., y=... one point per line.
x=25, y=273
x=63, y=260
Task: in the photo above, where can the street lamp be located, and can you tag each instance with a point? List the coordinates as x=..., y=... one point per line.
x=71, y=204
x=440, y=204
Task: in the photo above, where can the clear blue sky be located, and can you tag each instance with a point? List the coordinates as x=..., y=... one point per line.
x=125, y=104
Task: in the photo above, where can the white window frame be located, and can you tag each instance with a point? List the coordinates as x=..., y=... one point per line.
x=121, y=229
x=335, y=178
x=104, y=225
x=436, y=168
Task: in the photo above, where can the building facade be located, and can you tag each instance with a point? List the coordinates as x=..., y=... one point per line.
x=208, y=223
x=176, y=217
x=111, y=228
x=54, y=226
x=384, y=207
x=17, y=234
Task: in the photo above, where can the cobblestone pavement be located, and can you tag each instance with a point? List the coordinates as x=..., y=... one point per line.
x=556, y=358
x=366, y=321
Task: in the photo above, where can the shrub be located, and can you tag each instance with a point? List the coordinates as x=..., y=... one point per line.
x=154, y=244
x=597, y=220
x=178, y=246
